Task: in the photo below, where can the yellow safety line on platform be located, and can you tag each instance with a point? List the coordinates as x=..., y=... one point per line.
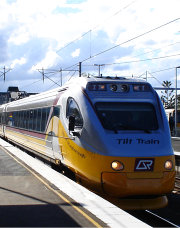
x=57, y=193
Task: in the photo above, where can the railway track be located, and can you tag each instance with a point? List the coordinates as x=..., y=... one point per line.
x=160, y=221
x=152, y=219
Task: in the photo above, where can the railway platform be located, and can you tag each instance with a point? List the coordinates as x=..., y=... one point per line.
x=27, y=201
x=176, y=144
x=34, y=195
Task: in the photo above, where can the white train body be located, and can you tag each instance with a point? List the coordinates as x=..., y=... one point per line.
x=112, y=133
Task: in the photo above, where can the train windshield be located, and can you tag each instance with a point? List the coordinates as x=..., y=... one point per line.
x=127, y=116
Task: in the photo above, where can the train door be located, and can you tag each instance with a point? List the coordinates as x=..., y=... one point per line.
x=55, y=133
x=3, y=122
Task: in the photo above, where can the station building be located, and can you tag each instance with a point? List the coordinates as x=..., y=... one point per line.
x=13, y=93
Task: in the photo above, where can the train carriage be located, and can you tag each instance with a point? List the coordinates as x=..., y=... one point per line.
x=112, y=133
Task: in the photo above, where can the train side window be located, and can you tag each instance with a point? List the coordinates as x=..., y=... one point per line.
x=16, y=124
x=21, y=119
x=25, y=119
x=4, y=118
x=9, y=119
x=38, y=127
x=43, y=120
x=56, y=111
x=35, y=120
x=73, y=110
x=47, y=116
x=14, y=119
x=28, y=116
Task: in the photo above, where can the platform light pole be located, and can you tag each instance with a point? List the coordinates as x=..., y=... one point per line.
x=175, y=116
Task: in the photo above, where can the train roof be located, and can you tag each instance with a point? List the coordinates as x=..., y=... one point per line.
x=84, y=80
x=78, y=81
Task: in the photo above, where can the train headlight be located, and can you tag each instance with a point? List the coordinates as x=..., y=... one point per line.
x=141, y=88
x=114, y=88
x=168, y=165
x=117, y=165
x=96, y=87
x=124, y=88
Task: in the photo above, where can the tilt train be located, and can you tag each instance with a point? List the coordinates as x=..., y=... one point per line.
x=112, y=133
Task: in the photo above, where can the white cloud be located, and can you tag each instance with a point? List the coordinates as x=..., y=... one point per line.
x=20, y=61
x=50, y=59
x=36, y=29
x=76, y=53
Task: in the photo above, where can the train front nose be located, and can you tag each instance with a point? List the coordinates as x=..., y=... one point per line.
x=140, y=176
x=129, y=184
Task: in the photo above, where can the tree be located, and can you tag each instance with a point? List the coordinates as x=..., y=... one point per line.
x=168, y=98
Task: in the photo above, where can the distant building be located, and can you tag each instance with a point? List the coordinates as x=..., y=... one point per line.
x=13, y=94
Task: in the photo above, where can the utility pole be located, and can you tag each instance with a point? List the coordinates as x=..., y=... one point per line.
x=3, y=73
x=46, y=72
x=99, y=68
x=80, y=63
x=42, y=72
x=175, y=116
x=61, y=75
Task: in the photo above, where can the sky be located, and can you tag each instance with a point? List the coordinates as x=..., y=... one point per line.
x=131, y=38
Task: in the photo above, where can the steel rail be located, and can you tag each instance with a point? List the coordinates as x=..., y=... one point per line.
x=163, y=219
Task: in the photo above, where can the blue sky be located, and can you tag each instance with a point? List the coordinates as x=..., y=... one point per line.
x=34, y=34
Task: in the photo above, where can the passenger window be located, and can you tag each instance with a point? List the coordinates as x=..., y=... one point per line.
x=43, y=121
x=9, y=123
x=35, y=120
x=38, y=120
x=73, y=110
x=21, y=117
x=17, y=119
x=56, y=111
x=28, y=116
x=31, y=119
x=14, y=118
x=25, y=120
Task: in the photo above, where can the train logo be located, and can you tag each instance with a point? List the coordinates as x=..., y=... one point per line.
x=144, y=164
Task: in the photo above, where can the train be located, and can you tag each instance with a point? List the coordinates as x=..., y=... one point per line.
x=111, y=132
x=171, y=112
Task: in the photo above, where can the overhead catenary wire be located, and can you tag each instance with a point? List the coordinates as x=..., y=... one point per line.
x=32, y=83
x=127, y=41
x=140, y=60
x=157, y=71
x=136, y=37
x=154, y=78
x=144, y=60
x=157, y=49
x=52, y=72
x=95, y=27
